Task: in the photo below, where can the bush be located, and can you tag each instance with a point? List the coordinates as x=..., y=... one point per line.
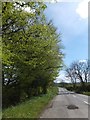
x=86, y=93
x=88, y=87
x=79, y=88
x=10, y=95
x=70, y=88
x=30, y=108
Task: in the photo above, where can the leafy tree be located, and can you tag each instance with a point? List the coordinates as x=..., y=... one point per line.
x=15, y=22
x=31, y=54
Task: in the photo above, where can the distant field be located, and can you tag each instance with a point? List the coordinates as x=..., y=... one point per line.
x=31, y=108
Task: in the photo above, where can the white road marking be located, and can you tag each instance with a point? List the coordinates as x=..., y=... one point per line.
x=74, y=96
x=86, y=102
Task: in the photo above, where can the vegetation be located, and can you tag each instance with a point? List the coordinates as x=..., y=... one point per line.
x=78, y=73
x=32, y=51
x=30, y=108
x=86, y=93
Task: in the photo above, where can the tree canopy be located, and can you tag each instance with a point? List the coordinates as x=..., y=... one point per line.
x=32, y=50
x=78, y=71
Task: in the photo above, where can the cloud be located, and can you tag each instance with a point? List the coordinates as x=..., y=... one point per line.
x=82, y=9
x=81, y=61
x=62, y=78
x=54, y=1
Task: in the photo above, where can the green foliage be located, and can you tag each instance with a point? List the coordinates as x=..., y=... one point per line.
x=78, y=88
x=31, y=54
x=31, y=108
x=86, y=93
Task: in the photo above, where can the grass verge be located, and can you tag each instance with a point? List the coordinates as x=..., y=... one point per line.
x=31, y=108
x=86, y=93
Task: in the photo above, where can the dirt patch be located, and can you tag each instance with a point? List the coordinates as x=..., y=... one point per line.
x=72, y=107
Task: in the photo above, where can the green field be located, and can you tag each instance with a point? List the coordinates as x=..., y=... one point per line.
x=31, y=108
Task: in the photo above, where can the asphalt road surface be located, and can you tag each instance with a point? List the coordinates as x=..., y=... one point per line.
x=67, y=105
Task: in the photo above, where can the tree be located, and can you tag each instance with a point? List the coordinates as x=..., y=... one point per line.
x=31, y=54
x=78, y=71
x=15, y=21
x=70, y=74
x=40, y=57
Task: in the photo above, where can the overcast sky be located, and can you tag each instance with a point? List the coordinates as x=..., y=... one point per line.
x=71, y=20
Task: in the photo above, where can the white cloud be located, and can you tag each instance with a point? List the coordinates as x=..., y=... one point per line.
x=62, y=78
x=57, y=81
x=82, y=9
x=54, y=1
x=80, y=61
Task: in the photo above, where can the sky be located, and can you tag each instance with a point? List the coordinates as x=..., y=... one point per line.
x=71, y=20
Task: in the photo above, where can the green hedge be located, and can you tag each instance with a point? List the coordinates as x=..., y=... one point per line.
x=31, y=108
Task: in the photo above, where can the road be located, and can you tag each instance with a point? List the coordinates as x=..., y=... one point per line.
x=67, y=105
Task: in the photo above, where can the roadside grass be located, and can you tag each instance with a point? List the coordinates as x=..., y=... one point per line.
x=30, y=108
x=86, y=93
